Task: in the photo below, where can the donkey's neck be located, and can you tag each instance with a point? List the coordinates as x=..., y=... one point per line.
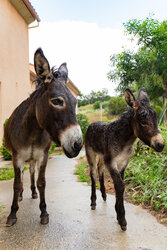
x=29, y=120
x=125, y=127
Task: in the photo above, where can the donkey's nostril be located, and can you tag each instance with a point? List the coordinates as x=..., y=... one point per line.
x=160, y=146
x=77, y=146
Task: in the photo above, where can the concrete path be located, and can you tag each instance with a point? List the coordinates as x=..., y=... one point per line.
x=72, y=223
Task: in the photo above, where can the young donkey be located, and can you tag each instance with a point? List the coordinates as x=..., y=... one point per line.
x=113, y=144
x=48, y=114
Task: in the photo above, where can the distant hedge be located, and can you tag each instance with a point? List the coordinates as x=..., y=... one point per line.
x=116, y=105
x=84, y=123
x=5, y=153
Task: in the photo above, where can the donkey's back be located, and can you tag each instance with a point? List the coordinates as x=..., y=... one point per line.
x=22, y=131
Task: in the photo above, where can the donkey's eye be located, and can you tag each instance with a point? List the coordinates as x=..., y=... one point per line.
x=143, y=123
x=57, y=102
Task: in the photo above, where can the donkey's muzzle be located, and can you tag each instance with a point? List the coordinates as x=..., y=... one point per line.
x=159, y=146
x=71, y=140
x=75, y=150
x=157, y=142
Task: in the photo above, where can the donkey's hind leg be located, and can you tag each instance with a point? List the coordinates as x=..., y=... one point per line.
x=32, y=177
x=100, y=165
x=17, y=188
x=20, y=198
x=91, y=157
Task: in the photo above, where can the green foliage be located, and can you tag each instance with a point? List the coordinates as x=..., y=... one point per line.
x=53, y=146
x=81, y=171
x=96, y=105
x=5, y=153
x=8, y=173
x=146, y=67
x=1, y=207
x=146, y=176
x=116, y=105
x=100, y=96
x=158, y=109
x=84, y=123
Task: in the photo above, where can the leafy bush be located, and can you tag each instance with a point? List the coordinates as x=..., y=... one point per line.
x=146, y=176
x=52, y=148
x=105, y=105
x=96, y=105
x=84, y=123
x=5, y=153
x=116, y=105
x=158, y=109
x=81, y=171
x=8, y=173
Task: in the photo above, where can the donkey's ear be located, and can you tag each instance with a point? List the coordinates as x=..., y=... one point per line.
x=142, y=96
x=130, y=98
x=42, y=67
x=63, y=70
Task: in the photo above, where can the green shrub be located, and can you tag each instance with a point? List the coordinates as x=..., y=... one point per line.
x=116, y=105
x=52, y=148
x=105, y=105
x=5, y=153
x=96, y=105
x=158, y=109
x=84, y=123
x=82, y=172
x=146, y=175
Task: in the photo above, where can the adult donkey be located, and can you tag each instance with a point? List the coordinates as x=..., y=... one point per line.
x=113, y=144
x=48, y=114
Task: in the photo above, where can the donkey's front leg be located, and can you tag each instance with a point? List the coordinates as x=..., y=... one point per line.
x=17, y=188
x=41, y=183
x=119, y=205
x=119, y=189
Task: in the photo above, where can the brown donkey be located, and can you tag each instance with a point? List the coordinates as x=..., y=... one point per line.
x=48, y=114
x=113, y=144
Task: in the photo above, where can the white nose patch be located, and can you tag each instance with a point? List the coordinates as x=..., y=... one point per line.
x=71, y=135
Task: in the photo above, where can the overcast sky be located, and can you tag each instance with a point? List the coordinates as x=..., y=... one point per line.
x=85, y=33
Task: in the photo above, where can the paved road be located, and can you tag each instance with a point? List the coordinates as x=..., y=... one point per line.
x=72, y=224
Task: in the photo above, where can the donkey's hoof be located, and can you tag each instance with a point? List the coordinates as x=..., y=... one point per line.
x=10, y=221
x=93, y=207
x=104, y=198
x=35, y=196
x=45, y=219
x=123, y=224
x=124, y=228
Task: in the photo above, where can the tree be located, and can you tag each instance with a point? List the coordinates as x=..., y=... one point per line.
x=93, y=97
x=148, y=66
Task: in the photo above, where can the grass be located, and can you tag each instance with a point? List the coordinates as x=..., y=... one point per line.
x=8, y=173
x=94, y=115
x=146, y=177
x=81, y=171
x=1, y=208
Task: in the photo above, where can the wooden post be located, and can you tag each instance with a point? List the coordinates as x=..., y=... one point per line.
x=101, y=112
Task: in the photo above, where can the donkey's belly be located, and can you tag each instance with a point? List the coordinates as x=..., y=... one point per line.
x=31, y=153
x=121, y=160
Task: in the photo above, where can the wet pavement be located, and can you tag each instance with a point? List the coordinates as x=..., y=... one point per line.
x=73, y=225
